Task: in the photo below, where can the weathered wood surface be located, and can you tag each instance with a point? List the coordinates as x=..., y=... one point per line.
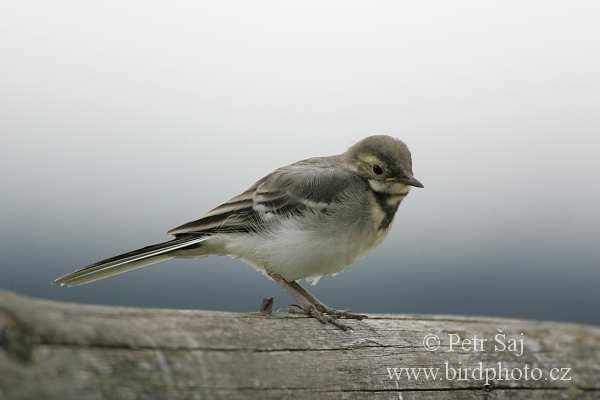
x=53, y=350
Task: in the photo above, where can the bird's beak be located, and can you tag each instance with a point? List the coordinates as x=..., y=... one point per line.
x=412, y=181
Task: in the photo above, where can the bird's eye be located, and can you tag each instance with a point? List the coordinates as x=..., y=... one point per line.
x=377, y=169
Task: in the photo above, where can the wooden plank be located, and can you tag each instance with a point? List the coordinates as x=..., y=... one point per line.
x=53, y=350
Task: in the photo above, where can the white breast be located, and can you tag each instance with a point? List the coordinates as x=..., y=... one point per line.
x=311, y=244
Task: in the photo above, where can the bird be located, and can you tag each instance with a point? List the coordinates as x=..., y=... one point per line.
x=306, y=220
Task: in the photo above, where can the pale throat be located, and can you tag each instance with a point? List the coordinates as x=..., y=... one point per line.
x=389, y=188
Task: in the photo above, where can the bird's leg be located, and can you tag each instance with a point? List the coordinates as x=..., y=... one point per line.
x=322, y=307
x=307, y=306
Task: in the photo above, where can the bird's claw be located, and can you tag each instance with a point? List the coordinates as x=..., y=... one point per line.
x=348, y=314
x=326, y=318
x=323, y=317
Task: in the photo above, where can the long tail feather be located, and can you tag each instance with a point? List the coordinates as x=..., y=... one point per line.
x=128, y=261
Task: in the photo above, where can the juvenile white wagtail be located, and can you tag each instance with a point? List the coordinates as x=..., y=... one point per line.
x=305, y=220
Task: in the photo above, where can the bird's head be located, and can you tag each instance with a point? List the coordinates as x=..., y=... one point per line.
x=384, y=161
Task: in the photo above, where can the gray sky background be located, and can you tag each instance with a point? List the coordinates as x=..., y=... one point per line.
x=120, y=120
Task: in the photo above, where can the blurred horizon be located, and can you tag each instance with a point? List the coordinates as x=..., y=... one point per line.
x=120, y=121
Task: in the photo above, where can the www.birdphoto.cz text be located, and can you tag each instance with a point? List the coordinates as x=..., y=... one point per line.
x=480, y=372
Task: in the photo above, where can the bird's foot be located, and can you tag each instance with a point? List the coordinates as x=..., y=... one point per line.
x=339, y=313
x=312, y=306
x=326, y=318
x=323, y=317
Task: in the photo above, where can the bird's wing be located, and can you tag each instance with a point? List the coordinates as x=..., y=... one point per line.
x=304, y=186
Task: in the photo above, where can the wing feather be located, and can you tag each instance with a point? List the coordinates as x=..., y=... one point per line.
x=310, y=185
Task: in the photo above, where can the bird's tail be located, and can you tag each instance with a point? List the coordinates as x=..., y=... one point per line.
x=126, y=262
